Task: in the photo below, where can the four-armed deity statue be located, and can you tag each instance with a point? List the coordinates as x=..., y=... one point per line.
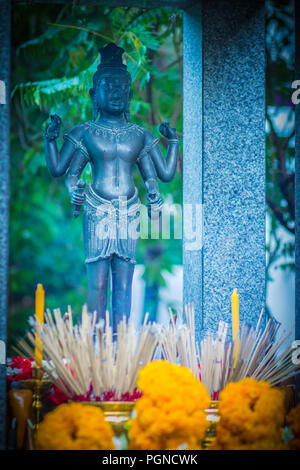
x=111, y=206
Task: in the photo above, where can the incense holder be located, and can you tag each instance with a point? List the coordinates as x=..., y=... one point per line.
x=117, y=413
x=38, y=384
x=212, y=416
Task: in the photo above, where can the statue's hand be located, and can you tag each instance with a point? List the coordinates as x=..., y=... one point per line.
x=167, y=131
x=154, y=203
x=154, y=206
x=77, y=198
x=52, y=130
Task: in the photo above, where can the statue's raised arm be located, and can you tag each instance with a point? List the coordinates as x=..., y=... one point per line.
x=165, y=168
x=59, y=161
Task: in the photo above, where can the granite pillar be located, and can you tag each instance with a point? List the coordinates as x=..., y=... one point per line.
x=193, y=160
x=4, y=200
x=224, y=157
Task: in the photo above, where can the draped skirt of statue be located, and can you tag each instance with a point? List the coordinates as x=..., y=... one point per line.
x=110, y=227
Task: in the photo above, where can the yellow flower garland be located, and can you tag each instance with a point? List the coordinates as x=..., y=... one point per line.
x=293, y=422
x=171, y=411
x=75, y=426
x=251, y=416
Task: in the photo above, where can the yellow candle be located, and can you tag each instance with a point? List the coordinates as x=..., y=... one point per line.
x=235, y=323
x=39, y=317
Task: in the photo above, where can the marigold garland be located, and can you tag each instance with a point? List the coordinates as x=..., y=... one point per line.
x=75, y=426
x=171, y=411
x=251, y=416
x=293, y=422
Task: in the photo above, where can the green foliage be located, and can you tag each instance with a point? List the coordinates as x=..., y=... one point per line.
x=280, y=154
x=56, y=54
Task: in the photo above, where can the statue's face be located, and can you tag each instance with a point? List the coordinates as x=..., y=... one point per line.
x=113, y=93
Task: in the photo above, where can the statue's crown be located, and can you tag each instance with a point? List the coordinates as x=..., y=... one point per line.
x=111, y=60
x=111, y=57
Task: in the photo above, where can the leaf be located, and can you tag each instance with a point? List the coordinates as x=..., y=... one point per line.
x=34, y=91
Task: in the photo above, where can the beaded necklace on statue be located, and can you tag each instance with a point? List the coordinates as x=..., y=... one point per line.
x=124, y=133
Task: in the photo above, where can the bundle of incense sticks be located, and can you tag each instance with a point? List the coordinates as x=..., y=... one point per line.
x=216, y=359
x=178, y=341
x=264, y=353
x=83, y=358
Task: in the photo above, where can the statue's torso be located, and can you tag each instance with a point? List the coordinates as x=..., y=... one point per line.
x=113, y=153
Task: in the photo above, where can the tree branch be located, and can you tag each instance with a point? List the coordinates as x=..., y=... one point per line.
x=278, y=214
x=176, y=61
x=283, y=178
x=177, y=111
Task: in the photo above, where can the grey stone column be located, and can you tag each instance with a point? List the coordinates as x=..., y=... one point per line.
x=224, y=157
x=4, y=199
x=193, y=161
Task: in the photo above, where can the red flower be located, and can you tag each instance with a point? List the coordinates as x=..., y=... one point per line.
x=111, y=396
x=19, y=368
x=56, y=396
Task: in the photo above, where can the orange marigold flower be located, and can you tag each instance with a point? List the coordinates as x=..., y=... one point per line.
x=75, y=426
x=170, y=413
x=251, y=416
x=293, y=422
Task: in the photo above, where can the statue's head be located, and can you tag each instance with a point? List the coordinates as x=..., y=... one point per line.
x=111, y=92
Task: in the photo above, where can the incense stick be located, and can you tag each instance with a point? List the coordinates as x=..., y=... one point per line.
x=85, y=357
x=259, y=353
